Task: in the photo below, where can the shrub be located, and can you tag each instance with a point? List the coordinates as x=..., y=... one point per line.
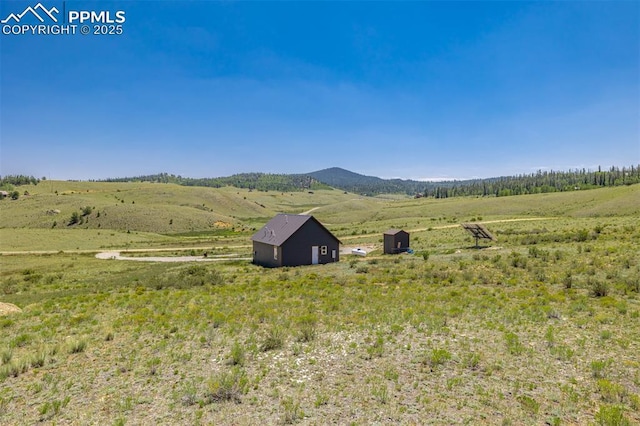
x=611, y=392
x=611, y=415
x=237, y=355
x=380, y=393
x=438, y=357
x=77, y=346
x=376, y=349
x=38, y=359
x=308, y=330
x=599, y=368
x=513, y=343
x=529, y=404
x=190, y=394
x=292, y=411
x=227, y=386
x=6, y=355
x=598, y=288
x=75, y=218
x=633, y=284
x=273, y=340
x=472, y=361
x=568, y=280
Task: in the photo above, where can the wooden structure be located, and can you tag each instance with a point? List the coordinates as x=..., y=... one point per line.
x=395, y=241
x=294, y=240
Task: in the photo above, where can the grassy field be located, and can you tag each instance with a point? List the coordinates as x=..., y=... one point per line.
x=539, y=327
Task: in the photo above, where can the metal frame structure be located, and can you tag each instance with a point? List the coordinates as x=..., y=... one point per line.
x=478, y=231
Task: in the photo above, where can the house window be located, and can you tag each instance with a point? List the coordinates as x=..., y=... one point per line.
x=323, y=250
x=275, y=253
x=333, y=254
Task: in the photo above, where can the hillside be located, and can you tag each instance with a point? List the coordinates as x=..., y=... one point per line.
x=150, y=207
x=156, y=213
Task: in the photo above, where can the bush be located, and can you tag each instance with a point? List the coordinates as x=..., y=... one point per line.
x=77, y=346
x=237, y=355
x=439, y=357
x=273, y=340
x=75, y=218
x=292, y=411
x=227, y=386
x=598, y=288
x=307, y=329
x=514, y=346
x=611, y=415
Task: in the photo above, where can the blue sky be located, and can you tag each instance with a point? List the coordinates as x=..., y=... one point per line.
x=392, y=89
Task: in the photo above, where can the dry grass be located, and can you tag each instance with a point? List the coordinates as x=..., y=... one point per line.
x=513, y=335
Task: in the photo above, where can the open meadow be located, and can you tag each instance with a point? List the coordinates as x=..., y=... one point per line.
x=541, y=326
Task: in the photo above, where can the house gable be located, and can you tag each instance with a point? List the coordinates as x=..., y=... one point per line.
x=292, y=240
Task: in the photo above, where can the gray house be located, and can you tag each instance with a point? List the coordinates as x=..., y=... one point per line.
x=293, y=240
x=396, y=241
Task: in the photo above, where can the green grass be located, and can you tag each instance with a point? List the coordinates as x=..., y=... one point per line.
x=454, y=338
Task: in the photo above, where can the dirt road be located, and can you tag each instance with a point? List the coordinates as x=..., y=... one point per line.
x=134, y=250
x=115, y=255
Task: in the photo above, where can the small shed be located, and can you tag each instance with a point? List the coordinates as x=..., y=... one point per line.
x=396, y=241
x=294, y=240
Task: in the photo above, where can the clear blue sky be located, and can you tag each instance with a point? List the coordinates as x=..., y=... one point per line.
x=391, y=89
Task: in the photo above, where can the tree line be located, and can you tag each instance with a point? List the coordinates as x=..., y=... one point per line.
x=17, y=180
x=253, y=181
x=535, y=183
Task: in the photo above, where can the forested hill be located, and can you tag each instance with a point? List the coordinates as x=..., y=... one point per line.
x=257, y=181
x=547, y=181
x=361, y=184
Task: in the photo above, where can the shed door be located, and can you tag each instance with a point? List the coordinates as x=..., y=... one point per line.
x=314, y=255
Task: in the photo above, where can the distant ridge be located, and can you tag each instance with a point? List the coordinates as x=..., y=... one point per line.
x=534, y=183
x=336, y=177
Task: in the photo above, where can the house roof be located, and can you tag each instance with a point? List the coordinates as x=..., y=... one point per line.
x=282, y=226
x=394, y=231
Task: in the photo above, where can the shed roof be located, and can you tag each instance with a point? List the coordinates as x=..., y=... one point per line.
x=282, y=226
x=394, y=231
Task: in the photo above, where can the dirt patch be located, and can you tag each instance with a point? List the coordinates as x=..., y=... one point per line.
x=8, y=308
x=222, y=225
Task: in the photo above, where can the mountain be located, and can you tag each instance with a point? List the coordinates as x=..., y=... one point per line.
x=361, y=184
